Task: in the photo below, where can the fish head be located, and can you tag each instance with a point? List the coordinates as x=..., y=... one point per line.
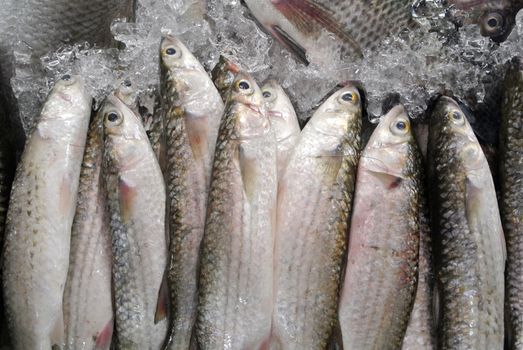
x=175, y=55
x=223, y=74
x=496, y=18
x=71, y=89
x=387, y=149
x=126, y=93
x=336, y=114
x=450, y=129
x=280, y=111
x=245, y=101
x=123, y=132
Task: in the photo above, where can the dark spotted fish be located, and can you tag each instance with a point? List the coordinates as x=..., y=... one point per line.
x=469, y=243
x=41, y=211
x=236, y=276
x=511, y=204
x=193, y=110
x=314, y=204
x=496, y=18
x=382, y=264
x=223, y=75
x=315, y=29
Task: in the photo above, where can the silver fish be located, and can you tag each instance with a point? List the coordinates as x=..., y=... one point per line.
x=193, y=109
x=136, y=200
x=314, y=204
x=283, y=120
x=40, y=216
x=236, y=276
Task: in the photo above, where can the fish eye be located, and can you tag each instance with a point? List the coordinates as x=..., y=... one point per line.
x=457, y=117
x=348, y=97
x=127, y=83
x=268, y=96
x=492, y=24
x=244, y=87
x=400, y=127
x=66, y=77
x=172, y=51
x=113, y=118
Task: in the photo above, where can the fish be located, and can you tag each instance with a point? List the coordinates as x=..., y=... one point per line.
x=283, y=121
x=469, y=247
x=312, y=29
x=236, y=263
x=496, y=18
x=35, y=255
x=381, y=272
x=193, y=109
x=511, y=202
x=88, y=307
x=136, y=202
x=314, y=203
x=223, y=75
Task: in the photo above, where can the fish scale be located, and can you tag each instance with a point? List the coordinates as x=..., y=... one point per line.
x=511, y=204
x=469, y=246
x=314, y=201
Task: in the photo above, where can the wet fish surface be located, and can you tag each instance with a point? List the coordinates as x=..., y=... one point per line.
x=303, y=25
x=236, y=277
x=41, y=210
x=283, y=120
x=314, y=204
x=469, y=245
x=88, y=307
x=193, y=110
x=136, y=201
x=380, y=278
x=511, y=204
x=223, y=75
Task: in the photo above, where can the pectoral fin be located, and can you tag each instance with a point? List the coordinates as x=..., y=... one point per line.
x=103, y=339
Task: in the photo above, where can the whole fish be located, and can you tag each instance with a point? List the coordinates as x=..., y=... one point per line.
x=314, y=204
x=283, y=120
x=136, y=200
x=469, y=244
x=308, y=27
x=193, y=110
x=223, y=75
x=40, y=216
x=88, y=307
x=511, y=175
x=380, y=276
x=236, y=276
x=496, y=18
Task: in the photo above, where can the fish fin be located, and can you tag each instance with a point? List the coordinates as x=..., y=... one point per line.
x=58, y=332
x=304, y=13
x=103, y=339
x=329, y=166
x=336, y=340
x=163, y=301
x=197, y=131
x=193, y=345
x=288, y=42
x=390, y=181
x=265, y=344
x=127, y=195
x=248, y=172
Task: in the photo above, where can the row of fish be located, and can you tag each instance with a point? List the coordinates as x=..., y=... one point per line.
x=226, y=227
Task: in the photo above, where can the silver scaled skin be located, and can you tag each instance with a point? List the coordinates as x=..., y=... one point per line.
x=236, y=276
x=41, y=211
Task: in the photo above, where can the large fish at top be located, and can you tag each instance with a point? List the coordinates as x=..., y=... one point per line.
x=308, y=27
x=41, y=210
x=469, y=248
x=496, y=18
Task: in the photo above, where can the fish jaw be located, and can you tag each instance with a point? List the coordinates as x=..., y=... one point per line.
x=40, y=218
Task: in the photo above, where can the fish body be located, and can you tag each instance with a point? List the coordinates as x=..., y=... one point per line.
x=469, y=244
x=193, y=110
x=496, y=18
x=236, y=276
x=381, y=272
x=511, y=204
x=314, y=204
x=136, y=201
x=41, y=211
x=314, y=28
x=283, y=120
x=88, y=307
